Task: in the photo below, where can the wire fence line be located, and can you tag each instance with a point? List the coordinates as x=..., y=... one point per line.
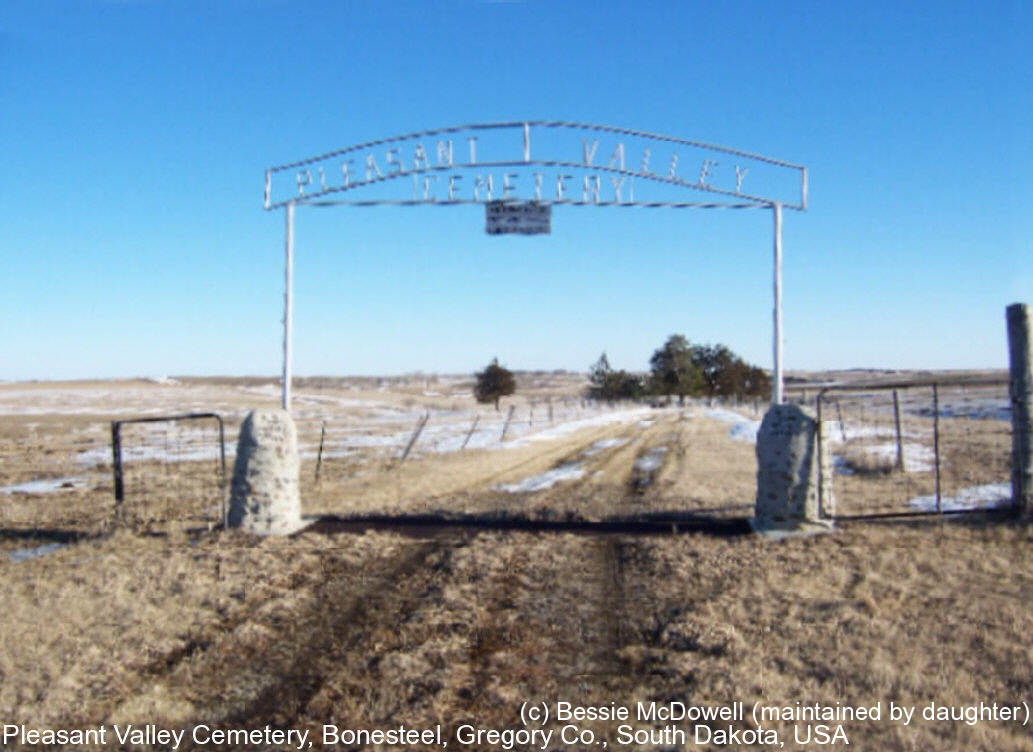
x=333, y=446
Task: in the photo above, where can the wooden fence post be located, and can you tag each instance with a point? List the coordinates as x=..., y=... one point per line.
x=505, y=426
x=473, y=427
x=415, y=435
x=936, y=446
x=1020, y=390
x=319, y=457
x=900, y=436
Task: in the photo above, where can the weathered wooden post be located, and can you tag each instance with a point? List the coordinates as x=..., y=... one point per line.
x=415, y=435
x=473, y=427
x=1020, y=390
x=505, y=426
x=319, y=456
x=900, y=435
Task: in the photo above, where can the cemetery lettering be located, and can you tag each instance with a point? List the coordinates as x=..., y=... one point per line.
x=420, y=163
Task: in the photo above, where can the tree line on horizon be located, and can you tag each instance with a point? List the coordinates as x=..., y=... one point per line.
x=681, y=369
x=677, y=369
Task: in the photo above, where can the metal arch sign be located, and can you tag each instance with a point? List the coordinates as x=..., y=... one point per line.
x=520, y=170
x=546, y=162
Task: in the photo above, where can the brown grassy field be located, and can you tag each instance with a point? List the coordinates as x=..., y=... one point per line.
x=369, y=627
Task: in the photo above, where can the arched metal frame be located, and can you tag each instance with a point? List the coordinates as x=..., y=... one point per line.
x=329, y=180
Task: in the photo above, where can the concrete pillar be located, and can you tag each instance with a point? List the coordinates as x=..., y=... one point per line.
x=789, y=472
x=1020, y=389
x=265, y=497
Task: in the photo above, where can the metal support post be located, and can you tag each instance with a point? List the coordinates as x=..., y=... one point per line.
x=288, y=305
x=777, y=388
x=1020, y=391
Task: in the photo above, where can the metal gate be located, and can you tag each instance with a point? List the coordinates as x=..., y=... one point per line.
x=915, y=448
x=169, y=468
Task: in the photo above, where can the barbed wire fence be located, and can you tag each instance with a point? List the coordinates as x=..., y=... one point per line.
x=334, y=448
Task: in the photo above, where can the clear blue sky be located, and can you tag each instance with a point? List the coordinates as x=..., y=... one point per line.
x=134, y=136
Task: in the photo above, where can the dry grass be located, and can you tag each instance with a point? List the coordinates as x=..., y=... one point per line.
x=377, y=629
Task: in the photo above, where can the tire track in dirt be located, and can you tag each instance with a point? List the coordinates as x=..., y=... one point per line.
x=603, y=488
x=330, y=634
x=555, y=628
x=268, y=668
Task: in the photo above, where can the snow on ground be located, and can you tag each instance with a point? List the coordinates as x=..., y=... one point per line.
x=989, y=496
x=50, y=485
x=564, y=429
x=603, y=444
x=848, y=432
x=24, y=554
x=743, y=428
x=979, y=409
x=918, y=458
x=102, y=455
x=567, y=471
x=651, y=460
x=447, y=430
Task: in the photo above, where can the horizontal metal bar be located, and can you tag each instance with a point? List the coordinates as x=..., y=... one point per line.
x=163, y=418
x=901, y=515
x=470, y=202
x=542, y=124
x=861, y=386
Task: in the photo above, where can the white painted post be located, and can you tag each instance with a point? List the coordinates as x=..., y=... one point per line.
x=776, y=377
x=288, y=305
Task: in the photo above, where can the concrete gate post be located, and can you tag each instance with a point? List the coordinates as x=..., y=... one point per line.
x=789, y=472
x=265, y=497
x=1020, y=390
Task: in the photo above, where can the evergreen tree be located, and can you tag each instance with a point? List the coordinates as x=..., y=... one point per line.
x=494, y=383
x=673, y=369
x=608, y=384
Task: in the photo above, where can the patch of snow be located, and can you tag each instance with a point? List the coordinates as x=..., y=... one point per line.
x=988, y=409
x=102, y=455
x=743, y=428
x=564, y=429
x=266, y=390
x=988, y=496
x=568, y=471
x=328, y=399
x=165, y=380
x=850, y=431
x=603, y=444
x=25, y=554
x=48, y=485
x=651, y=460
